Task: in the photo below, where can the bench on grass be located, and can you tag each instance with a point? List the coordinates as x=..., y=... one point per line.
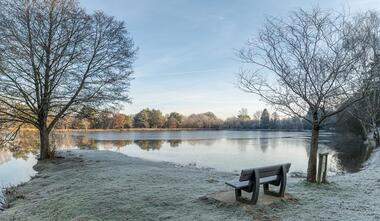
x=251, y=179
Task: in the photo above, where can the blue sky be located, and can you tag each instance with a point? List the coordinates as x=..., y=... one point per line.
x=186, y=61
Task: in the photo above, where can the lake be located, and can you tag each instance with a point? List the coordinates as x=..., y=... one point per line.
x=223, y=150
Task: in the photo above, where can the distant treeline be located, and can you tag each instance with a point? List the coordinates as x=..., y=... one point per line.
x=91, y=118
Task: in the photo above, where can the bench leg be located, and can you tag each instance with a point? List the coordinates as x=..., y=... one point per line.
x=252, y=201
x=239, y=198
x=238, y=195
x=266, y=188
x=256, y=189
x=255, y=196
x=283, y=182
x=269, y=192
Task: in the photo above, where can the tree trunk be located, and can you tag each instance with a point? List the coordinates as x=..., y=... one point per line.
x=44, y=133
x=44, y=144
x=376, y=135
x=312, y=164
x=364, y=131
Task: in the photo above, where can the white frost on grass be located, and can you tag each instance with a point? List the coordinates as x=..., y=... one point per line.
x=104, y=185
x=347, y=197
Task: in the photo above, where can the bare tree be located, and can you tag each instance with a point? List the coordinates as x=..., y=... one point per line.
x=257, y=115
x=243, y=114
x=367, y=111
x=55, y=57
x=306, y=62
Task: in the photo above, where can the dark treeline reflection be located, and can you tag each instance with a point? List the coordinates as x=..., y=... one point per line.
x=5, y=156
x=25, y=144
x=174, y=143
x=83, y=142
x=149, y=144
x=349, y=154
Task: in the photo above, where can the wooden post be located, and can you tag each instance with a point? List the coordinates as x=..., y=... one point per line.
x=322, y=168
x=319, y=177
x=324, y=174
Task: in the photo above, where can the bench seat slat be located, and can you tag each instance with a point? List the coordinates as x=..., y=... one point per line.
x=268, y=179
x=242, y=184
x=237, y=184
x=263, y=171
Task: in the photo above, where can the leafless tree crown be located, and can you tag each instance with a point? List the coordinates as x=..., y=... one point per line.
x=54, y=56
x=367, y=111
x=313, y=56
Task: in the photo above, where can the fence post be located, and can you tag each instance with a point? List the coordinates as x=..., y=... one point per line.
x=322, y=168
x=324, y=177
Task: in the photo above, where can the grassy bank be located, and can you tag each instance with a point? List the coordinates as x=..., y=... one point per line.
x=102, y=185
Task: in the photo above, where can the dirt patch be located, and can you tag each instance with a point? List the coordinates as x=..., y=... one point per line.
x=264, y=200
x=264, y=209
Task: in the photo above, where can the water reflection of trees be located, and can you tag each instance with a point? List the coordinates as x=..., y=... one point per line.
x=5, y=156
x=149, y=144
x=25, y=143
x=68, y=141
x=84, y=142
x=242, y=144
x=264, y=144
x=174, y=143
x=351, y=154
x=346, y=153
x=121, y=143
x=63, y=140
x=203, y=141
x=28, y=142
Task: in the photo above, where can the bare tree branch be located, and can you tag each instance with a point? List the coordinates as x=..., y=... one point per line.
x=312, y=65
x=54, y=57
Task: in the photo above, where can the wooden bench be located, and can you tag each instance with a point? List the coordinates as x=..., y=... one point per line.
x=251, y=179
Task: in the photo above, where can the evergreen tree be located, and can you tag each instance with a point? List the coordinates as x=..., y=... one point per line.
x=265, y=119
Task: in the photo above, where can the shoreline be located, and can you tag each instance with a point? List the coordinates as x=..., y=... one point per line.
x=135, y=129
x=105, y=185
x=167, y=129
x=124, y=129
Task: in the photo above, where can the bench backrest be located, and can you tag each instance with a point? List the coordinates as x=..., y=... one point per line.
x=263, y=171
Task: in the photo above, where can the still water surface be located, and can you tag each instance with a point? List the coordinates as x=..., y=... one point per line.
x=228, y=151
